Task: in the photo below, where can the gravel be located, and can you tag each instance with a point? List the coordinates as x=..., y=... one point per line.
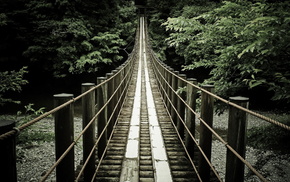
x=34, y=160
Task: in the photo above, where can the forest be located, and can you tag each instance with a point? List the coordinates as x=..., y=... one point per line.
x=51, y=46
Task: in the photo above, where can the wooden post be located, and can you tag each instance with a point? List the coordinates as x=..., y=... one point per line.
x=8, y=152
x=168, y=79
x=207, y=104
x=64, y=137
x=181, y=106
x=88, y=104
x=117, y=84
x=165, y=74
x=190, y=117
x=237, y=132
x=102, y=120
x=115, y=98
x=110, y=104
x=169, y=91
x=174, y=98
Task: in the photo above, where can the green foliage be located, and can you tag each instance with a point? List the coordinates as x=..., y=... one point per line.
x=11, y=81
x=3, y=19
x=78, y=36
x=33, y=133
x=245, y=45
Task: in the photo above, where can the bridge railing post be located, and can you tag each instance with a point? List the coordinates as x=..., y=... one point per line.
x=64, y=136
x=110, y=104
x=169, y=92
x=237, y=129
x=168, y=80
x=174, y=97
x=88, y=112
x=8, y=152
x=102, y=118
x=115, y=98
x=207, y=107
x=190, y=117
x=181, y=106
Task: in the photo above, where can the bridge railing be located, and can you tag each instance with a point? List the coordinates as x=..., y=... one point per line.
x=179, y=94
x=101, y=103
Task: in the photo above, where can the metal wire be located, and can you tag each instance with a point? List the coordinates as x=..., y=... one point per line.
x=37, y=119
x=109, y=120
x=88, y=125
x=197, y=115
x=178, y=115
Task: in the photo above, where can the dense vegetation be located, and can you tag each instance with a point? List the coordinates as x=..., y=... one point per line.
x=244, y=45
x=61, y=38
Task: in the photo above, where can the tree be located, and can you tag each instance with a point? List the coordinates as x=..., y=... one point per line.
x=245, y=44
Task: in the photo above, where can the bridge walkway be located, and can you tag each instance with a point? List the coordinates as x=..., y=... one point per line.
x=144, y=146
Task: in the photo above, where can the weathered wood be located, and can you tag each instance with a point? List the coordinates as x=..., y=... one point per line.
x=181, y=106
x=237, y=132
x=168, y=79
x=88, y=109
x=111, y=105
x=174, y=97
x=190, y=117
x=115, y=98
x=8, y=152
x=207, y=104
x=64, y=136
x=102, y=118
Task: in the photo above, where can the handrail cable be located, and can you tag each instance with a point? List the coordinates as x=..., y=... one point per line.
x=265, y=118
x=190, y=159
x=223, y=141
x=109, y=120
x=178, y=115
x=84, y=130
x=110, y=138
x=35, y=120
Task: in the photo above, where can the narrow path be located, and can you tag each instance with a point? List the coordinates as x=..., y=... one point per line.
x=138, y=151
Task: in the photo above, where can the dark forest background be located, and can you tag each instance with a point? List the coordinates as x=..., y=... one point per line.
x=52, y=46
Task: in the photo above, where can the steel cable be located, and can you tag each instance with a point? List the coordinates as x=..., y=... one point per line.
x=218, y=137
x=193, y=138
x=109, y=120
x=37, y=119
x=88, y=125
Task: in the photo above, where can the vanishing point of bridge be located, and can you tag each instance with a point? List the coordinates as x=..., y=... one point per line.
x=144, y=114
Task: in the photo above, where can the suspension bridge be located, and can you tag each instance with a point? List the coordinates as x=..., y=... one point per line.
x=139, y=125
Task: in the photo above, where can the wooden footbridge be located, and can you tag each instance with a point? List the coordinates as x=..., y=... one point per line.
x=139, y=125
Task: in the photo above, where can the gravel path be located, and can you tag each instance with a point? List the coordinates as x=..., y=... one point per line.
x=35, y=159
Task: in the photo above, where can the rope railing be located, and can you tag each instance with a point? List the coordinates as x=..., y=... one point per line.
x=166, y=98
x=90, y=123
x=123, y=79
x=162, y=90
x=109, y=120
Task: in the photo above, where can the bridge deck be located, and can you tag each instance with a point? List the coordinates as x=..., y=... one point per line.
x=145, y=146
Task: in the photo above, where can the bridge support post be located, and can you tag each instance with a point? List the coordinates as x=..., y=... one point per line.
x=237, y=129
x=88, y=109
x=102, y=119
x=8, y=152
x=64, y=137
x=115, y=98
x=207, y=104
x=110, y=104
x=181, y=106
x=190, y=117
x=174, y=98
x=168, y=79
x=119, y=79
